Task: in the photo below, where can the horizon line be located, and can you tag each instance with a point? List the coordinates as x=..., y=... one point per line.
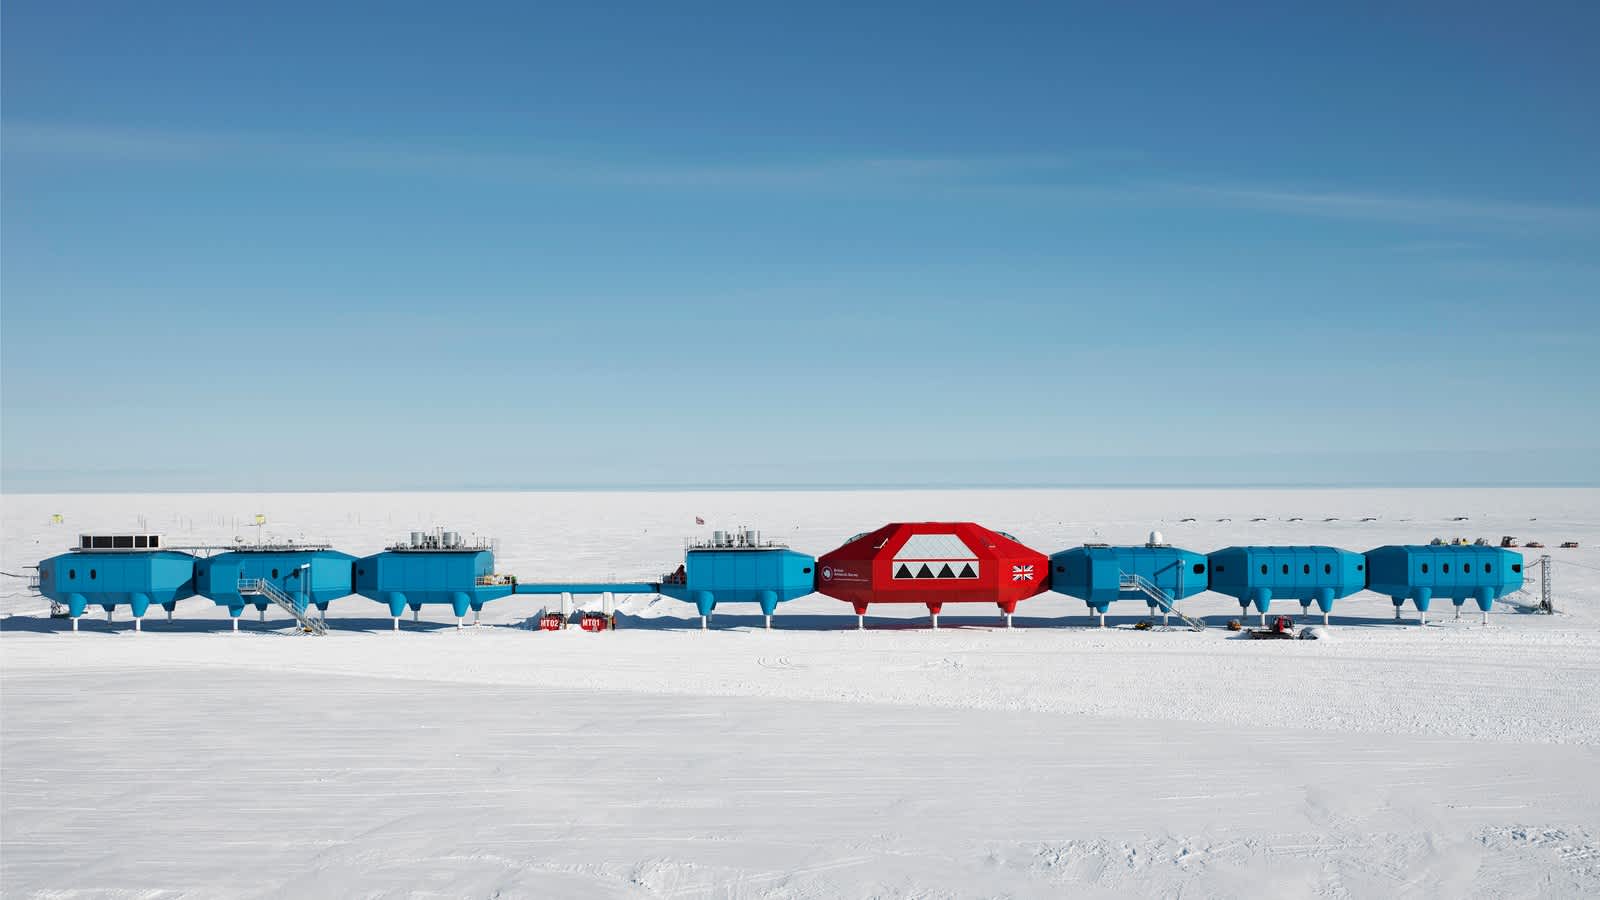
x=842, y=487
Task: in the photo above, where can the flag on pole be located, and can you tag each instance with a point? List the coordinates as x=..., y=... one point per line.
x=699, y=521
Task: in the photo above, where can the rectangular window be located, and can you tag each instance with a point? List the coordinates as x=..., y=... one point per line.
x=85, y=542
x=103, y=542
x=139, y=541
x=124, y=542
x=155, y=540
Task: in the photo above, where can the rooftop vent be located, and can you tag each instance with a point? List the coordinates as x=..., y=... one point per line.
x=740, y=539
x=439, y=539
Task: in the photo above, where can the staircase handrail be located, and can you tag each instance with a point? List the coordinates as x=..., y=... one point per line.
x=1135, y=582
x=310, y=620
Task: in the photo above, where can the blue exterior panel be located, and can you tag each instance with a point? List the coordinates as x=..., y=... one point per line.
x=331, y=576
x=764, y=576
x=1259, y=575
x=1094, y=574
x=1420, y=573
x=108, y=580
x=401, y=579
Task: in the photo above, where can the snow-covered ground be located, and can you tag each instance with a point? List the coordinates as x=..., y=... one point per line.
x=814, y=760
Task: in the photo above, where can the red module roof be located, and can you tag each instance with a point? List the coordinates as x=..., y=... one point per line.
x=933, y=563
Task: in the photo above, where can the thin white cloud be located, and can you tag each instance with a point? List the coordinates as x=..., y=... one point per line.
x=1039, y=178
x=1393, y=207
x=129, y=145
x=1433, y=248
x=105, y=143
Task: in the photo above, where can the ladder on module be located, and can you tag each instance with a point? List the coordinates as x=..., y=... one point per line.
x=1162, y=599
x=310, y=620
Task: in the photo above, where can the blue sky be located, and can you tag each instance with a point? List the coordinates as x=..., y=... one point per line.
x=469, y=246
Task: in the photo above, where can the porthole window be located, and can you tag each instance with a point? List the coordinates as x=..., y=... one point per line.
x=1445, y=568
x=1467, y=568
x=1361, y=567
x=1424, y=568
x=1305, y=569
x=1516, y=567
x=274, y=573
x=1285, y=568
x=361, y=571
x=1218, y=569
x=1327, y=568
x=1061, y=568
x=1199, y=568
x=1263, y=568
x=92, y=574
x=1488, y=567
x=807, y=571
x=72, y=573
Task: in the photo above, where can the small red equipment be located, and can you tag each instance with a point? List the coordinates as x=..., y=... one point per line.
x=593, y=621
x=552, y=622
x=1281, y=627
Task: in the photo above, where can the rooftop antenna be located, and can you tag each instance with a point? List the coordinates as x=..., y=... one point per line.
x=260, y=521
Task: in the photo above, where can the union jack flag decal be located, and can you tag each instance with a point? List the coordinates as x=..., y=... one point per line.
x=1022, y=573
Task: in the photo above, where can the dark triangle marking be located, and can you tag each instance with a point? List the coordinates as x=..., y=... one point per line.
x=924, y=572
x=966, y=571
x=902, y=572
x=946, y=572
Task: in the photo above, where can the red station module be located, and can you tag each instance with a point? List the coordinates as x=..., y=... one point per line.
x=933, y=563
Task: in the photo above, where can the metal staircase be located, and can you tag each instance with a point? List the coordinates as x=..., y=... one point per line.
x=1160, y=597
x=310, y=619
x=58, y=610
x=1523, y=596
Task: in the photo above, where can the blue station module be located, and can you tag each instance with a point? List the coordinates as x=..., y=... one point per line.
x=1259, y=575
x=138, y=570
x=739, y=567
x=111, y=570
x=432, y=568
x=308, y=574
x=1156, y=573
x=1458, y=573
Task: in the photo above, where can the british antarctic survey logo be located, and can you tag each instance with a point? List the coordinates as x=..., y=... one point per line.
x=1022, y=573
x=827, y=573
